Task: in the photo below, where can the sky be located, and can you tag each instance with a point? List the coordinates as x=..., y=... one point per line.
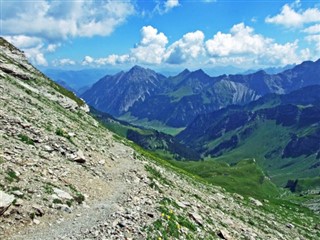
x=167, y=34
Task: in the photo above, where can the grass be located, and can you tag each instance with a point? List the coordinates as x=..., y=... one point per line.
x=245, y=178
x=12, y=176
x=25, y=139
x=62, y=133
x=156, y=125
x=170, y=223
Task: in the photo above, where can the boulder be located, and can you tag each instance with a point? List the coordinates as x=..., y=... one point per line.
x=5, y=201
x=255, y=202
x=79, y=158
x=62, y=194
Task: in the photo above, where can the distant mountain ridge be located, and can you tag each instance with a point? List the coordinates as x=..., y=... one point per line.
x=282, y=132
x=175, y=101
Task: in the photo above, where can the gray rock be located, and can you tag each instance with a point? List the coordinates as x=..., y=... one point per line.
x=79, y=158
x=255, y=202
x=39, y=210
x=5, y=201
x=62, y=194
x=223, y=234
x=63, y=207
x=18, y=193
x=196, y=217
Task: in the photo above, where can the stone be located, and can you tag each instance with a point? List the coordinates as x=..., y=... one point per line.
x=47, y=148
x=290, y=225
x=5, y=201
x=255, y=202
x=223, y=234
x=79, y=158
x=181, y=204
x=196, y=217
x=62, y=194
x=18, y=193
x=63, y=207
x=39, y=210
x=36, y=221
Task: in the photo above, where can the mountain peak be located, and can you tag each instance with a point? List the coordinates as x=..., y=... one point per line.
x=137, y=68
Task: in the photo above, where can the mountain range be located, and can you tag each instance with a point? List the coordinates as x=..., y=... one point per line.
x=281, y=132
x=141, y=95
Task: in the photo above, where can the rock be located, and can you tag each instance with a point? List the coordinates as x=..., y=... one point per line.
x=255, y=202
x=39, y=210
x=79, y=158
x=196, y=217
x=223, y=234
x=36, y=221
x=5, y=201
x=289, y=225
x=62, y=194
x=63, y=207
x=47, y=148
x=181, y=204
x=18, y=202
x=18, y=193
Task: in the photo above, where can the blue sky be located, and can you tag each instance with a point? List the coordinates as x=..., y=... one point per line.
x=168, y=34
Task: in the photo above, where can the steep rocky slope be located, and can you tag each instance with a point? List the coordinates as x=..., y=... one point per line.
x=63, y=176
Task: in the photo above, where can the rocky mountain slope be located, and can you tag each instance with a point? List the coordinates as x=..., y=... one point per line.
x=116, y=94
x=64, y=176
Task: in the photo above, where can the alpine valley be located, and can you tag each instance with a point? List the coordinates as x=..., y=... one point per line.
x=154, y=157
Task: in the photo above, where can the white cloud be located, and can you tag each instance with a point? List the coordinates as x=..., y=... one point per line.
x=36, y=56
x=23, y=42
x=288, y=17
x=64, y=62
x=87, y=60
x=112, y=59
x=243, y=45
x=151, y=48
x=63, y=19
x=314, y=39
x=240, y=40
x=190, y=46
x=53, y=47
x=312, y=29
x=169, y=4
x=32, y=46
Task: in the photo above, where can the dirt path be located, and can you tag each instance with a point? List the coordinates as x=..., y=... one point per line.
x=84, y=218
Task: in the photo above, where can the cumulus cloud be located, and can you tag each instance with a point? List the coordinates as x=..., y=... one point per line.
x=63, y=19
x=22, y=41
x=87, y=60
x=289, y=17
x=38, y=27
x=32, y=46
x=151, y=48
x=241, y=45
x=169, y=4
x=314, y=39
x=64, y=62
x=312, y=29
x=190, y=46
x=112, y=59
x=240, y=40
